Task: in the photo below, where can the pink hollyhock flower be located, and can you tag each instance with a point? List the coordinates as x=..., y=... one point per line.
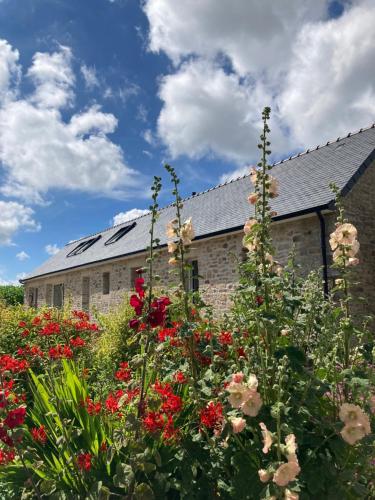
x=238, y=424
x=291, y=447
x=286, y=473
x=253, y=404
x=264, y=476
x=267, y=437
x=253, y=198
x=239, y=394
x=351, y=433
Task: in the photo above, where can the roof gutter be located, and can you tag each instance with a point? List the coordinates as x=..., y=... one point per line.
x=300, y=213
x=323, y=246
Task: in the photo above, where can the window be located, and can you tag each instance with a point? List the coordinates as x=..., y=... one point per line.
x=49, y=295
x=58, y=295
x=83, y=246
x=85, y=294
x=120, y=233
x=193, y=276
x=32, y=298
x=105, y=283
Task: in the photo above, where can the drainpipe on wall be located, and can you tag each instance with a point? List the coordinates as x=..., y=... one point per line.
x=323, y=247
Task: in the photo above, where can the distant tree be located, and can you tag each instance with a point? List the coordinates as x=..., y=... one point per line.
x=11, y=294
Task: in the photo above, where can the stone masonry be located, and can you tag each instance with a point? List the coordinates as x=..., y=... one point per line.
x=218, y=259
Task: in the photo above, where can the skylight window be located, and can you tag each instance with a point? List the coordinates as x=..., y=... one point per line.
x=120, y=233
x=83, y=246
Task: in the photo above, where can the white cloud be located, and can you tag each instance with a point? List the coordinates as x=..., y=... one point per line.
x=330, y=86
x=231, y=59
x=40, y=150
x=9, y=70
x=253, y=34
x=22, y=256
x=53, y=78
x=52, y=249
x=129, y=215
x=15, y=217
x=90, y=76
x=148, y=136
x=234, y=174
x=207, y=111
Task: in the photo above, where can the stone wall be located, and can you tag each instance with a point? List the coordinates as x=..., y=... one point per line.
x=217, y=258
x=360, y=210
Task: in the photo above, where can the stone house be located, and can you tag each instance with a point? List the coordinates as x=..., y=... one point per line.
x=97, y=270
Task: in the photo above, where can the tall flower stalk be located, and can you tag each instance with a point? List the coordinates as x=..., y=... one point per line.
x=154, y=242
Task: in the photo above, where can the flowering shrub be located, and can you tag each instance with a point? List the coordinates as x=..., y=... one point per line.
x=274, y=401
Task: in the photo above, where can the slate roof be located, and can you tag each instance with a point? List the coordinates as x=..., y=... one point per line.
x=304, y=187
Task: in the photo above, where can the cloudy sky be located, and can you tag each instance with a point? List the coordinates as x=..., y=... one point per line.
x=95, y=95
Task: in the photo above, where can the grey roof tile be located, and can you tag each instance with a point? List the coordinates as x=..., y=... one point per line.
x=304, y=185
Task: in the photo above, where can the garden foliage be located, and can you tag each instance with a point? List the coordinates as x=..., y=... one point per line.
x=275, y=400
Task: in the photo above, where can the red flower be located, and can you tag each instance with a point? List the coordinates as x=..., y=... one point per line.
x=153, y=421
x=134, y=324
x=112, y=401
x=15, y=417
x=50, y=329
x=212, y=416
x=39, y=434
x=5, y=438
x=124, y=373
x=85, y=325
x=22, y=324
x=6, y=457
x=25, y=333
x=137, y=304
x=103, y=447
x=164, y=333
x=81, y=315
x=36, y=321
x=77, y=342
x=259, y=300
x=225, y=338
x=208, y=336
x=13, y=365
x=60, y=351
x=179, y=377
x=84, y=461
x=241, y=352
x=138, y=285
x=92, y=407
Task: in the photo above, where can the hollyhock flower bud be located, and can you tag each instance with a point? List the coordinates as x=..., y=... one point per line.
x=264, y=476
x=238, y=424
x=267, y=437
x=286, y=473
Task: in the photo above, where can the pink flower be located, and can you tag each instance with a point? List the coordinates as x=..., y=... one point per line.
x=291, y=447
x=253, y=198
x=264, y=476
x=286, y=473
x=239, y=394
x=351, y=433
x=267, y=437
x=252, y=405
x=238, y=424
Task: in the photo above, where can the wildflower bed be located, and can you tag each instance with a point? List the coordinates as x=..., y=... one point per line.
x=273, y=401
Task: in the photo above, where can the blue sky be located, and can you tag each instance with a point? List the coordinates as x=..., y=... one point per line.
x=95, y=95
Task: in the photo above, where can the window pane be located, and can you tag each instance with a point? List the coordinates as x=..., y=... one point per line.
x=85, y=294
x=105, y=283
x=58, y=295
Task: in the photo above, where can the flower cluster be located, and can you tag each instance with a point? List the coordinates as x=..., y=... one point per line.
x=162, y=420
x=357, y=423
x=244, y=396
x=184, y=236
x=344, y=244
x=211, y=416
